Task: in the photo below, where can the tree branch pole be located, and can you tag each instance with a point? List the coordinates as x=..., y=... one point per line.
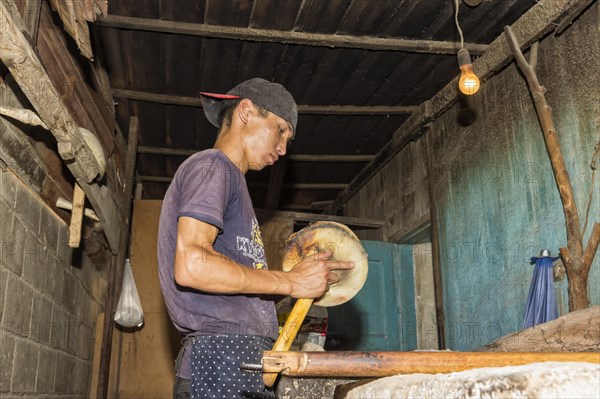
x=576, y=264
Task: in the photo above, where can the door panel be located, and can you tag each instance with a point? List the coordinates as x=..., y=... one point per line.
x=371, y=320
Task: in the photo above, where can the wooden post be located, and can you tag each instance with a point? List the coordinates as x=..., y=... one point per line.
x=436, y=262
x=577, y=262
x=118, y=262
x=96, y=358
x=76, y=217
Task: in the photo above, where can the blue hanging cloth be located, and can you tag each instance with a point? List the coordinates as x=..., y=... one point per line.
x=541, y=301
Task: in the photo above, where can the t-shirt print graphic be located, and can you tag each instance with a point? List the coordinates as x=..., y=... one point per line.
x=253, y=247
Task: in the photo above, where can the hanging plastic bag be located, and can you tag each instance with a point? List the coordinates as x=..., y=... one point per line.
x=129, y=311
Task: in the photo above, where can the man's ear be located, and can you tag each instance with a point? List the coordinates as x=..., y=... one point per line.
x=243, y=110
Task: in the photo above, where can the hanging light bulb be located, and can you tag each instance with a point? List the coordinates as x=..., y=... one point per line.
x=469, y=82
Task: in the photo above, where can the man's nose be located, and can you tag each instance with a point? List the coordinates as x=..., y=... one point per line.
x=281, y=147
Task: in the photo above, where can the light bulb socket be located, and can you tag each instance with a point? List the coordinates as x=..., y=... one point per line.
x=464, y=58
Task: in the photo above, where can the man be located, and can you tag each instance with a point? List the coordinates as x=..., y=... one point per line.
x=212, y=264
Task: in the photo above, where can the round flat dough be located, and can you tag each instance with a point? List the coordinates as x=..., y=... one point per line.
x=345, y=246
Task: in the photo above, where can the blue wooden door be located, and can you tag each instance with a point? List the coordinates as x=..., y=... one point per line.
x=381, y=317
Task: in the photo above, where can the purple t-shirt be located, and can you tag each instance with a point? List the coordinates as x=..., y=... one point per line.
x=210, y=188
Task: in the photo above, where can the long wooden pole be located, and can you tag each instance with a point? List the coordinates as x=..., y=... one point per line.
x=577, y=263
x=288, y=333
x=382, y=364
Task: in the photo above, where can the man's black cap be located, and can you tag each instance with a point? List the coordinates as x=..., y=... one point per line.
x=271, y=96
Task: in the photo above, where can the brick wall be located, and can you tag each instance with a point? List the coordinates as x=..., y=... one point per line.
x=50, y=296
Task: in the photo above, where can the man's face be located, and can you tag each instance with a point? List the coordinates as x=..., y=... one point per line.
x=267, y=139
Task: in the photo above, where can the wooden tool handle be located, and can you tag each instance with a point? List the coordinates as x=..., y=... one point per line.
x=288, y=333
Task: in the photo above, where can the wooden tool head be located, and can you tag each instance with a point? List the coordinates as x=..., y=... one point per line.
x=344, y=245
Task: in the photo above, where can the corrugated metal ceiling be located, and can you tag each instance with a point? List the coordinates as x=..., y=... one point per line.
x=180, y=65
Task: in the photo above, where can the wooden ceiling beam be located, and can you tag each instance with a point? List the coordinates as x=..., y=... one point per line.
x=288, y=37
x=184, y=152
x=330, y=158
x=302, y=109
x=532, y=26
x=312, y=217
x=293, y=186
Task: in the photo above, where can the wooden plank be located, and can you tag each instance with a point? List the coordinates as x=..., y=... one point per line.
x=183, y=152
x=533, y=25
x=265, y=214
x=436, y=258
x=100, y=76
x=330, y=158
x=72, y=15
x=27, y=70
x=302, y=108
x=31, y=18
x=293, y=186
x=357, y=109
x=76, y=217
x=92, y=394
x=18, y=153
x=289, y=37
x=316, y=186
x=144, y=366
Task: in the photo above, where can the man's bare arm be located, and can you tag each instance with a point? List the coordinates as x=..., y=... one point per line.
x=198, y=265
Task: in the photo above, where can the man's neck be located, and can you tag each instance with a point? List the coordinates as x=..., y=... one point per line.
x=232, y=149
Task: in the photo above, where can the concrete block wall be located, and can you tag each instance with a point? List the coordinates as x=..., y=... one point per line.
x=50, y=296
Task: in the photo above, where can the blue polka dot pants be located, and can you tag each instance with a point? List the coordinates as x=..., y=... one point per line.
x=216, y=363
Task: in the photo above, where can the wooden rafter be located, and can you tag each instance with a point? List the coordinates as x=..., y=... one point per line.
x=329, y=158
x=293, y=186
x=533, y=25
x=289, y=37
x=27, y=70
x=184, y=152
x=312, y=217
x=302, y=108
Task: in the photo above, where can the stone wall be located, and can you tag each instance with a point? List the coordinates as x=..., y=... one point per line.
x=50, y=296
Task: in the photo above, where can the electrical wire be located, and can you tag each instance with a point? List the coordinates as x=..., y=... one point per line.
x=460, y=32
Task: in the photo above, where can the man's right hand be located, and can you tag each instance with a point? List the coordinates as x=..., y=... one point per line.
x=311, y=277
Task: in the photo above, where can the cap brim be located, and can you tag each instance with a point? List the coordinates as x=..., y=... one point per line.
x=211, y=104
